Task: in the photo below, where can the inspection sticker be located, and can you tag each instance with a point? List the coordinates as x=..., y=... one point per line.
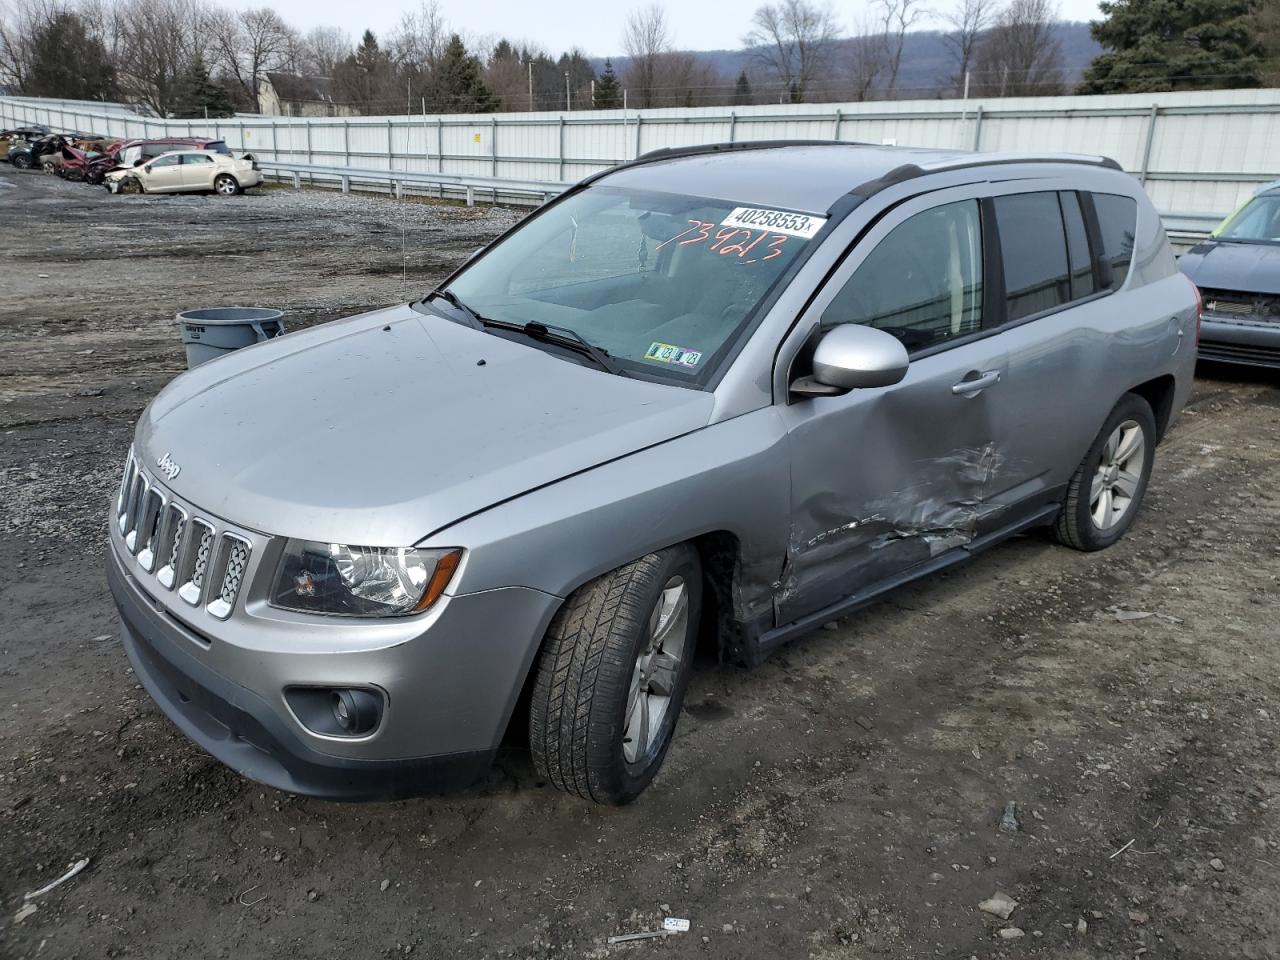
x=775, y=221
x=669, y=353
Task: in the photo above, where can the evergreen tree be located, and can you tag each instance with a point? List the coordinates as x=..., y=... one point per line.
x=1174, y=45
x=458, y=86
x=198, y=95
x=608, y=90
x=742, y=90
x=66, y=62
x=365, y=78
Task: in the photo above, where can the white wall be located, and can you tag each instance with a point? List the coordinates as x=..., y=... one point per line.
x=1200, y=152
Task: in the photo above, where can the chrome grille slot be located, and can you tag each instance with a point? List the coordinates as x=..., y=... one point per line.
x=126, y=483
x=137, y=500
x=148, y=527
x=228, y=573
x=195, y=561
x=169, y=544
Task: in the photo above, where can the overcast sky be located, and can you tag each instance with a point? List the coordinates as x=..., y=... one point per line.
x=556, y=25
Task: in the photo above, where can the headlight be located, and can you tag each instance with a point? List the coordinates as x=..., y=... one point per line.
x=332, y=578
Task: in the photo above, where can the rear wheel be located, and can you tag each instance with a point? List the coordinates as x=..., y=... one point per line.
x=225, y=185
x=612, y=677
x=1106, y=490
x=48, y=166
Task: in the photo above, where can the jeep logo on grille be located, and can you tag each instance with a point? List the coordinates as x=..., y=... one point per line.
x=167, y=466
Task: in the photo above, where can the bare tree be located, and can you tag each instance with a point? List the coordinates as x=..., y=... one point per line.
x=20, y=24
x=1022, y=55
x=419, y=41
x=322, y=49
x=155, y=41
x=896, y=18
x=967, y=19
x=866, y=58
x=246, y=44
x=647, y=40
x=792, y=39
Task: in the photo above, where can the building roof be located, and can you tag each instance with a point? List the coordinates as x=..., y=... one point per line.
x=291, y=86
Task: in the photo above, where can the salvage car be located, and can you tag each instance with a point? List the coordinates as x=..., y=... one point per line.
x=186, y=171
x=31, y=154
x=19, y=134
x=131, y=153
x=718, y=394
x=1238, y=272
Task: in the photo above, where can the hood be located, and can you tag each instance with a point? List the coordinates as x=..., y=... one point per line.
x=1247, y=267
x=381, y=429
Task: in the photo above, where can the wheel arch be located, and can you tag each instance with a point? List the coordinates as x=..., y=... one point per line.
x=1159, y=393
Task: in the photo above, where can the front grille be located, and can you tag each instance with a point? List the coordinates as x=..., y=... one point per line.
x=1236, y=305
x=205, y=564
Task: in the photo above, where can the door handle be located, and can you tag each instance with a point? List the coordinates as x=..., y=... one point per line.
x=966, y=387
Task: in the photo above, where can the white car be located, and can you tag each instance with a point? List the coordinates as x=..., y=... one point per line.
x=186, y=171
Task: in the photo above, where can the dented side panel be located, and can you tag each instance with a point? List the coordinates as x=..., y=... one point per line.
x=883, y=480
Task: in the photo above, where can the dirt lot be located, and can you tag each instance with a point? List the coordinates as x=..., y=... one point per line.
x=842, y=801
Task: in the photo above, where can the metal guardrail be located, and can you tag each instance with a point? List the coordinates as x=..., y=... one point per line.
x=397, y=180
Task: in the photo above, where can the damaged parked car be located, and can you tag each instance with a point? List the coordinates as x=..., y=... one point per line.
x=1238, y=272
x=720, y=394
x=186, y=171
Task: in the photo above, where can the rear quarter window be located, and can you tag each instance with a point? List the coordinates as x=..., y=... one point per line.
x=1117, y=225
x=218, y=147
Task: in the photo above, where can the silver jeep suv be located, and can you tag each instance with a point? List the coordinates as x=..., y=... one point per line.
x=718, y=394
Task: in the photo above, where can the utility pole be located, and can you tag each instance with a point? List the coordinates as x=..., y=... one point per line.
x=593, y=93
x=531, y=84
x=567, y=104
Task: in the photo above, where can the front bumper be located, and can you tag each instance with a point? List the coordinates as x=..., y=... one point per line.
x=1251, y=344
x=246, y=723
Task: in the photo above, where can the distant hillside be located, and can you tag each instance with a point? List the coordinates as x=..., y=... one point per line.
x=926, y=60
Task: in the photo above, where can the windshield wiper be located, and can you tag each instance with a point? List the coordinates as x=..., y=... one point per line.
x=448, y=296
x=561, y=337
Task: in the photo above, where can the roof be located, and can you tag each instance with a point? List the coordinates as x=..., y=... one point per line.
x=292, y=86
x=804, y=175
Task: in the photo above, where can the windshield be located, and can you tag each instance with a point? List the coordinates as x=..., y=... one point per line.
x=666, y=284
x=1258, y=221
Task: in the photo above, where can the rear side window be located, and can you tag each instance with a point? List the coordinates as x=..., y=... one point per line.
x=1117, y=224
x=190, y=158
x=1033, y=251
x=218, y=147
x=1082, y=279
x=922, y=282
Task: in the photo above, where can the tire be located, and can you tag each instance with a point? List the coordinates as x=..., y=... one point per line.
x=129, y=185
x=49, y=166
x=225, y=185
x=599, y=672
x=23, y=162
x=1105, y=493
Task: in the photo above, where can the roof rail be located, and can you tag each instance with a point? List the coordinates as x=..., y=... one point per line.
x=672, y=153
x=909, y=171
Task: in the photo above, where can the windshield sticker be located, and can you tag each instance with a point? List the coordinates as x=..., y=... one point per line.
x=775, y=221
x=669, y=353
x=743, y=241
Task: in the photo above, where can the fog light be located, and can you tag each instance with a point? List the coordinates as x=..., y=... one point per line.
x=355, y=711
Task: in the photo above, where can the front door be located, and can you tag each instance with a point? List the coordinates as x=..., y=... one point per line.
x=164, y=174
x=885, y=479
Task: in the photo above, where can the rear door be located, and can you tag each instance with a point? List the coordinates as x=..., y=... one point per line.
x=886, y=479
x=197, y=171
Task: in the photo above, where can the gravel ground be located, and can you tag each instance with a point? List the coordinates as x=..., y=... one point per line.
x=842, y=801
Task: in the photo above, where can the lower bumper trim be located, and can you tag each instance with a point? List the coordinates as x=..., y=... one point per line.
x=239, y=728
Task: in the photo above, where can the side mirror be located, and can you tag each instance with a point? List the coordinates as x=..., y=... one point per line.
x=851, y=356
x=147, y=168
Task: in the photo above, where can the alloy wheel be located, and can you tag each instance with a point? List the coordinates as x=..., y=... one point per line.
x=656, y=670
x=1115, y=482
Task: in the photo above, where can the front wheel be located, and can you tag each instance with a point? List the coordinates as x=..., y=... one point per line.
x=1106, y=490
x=23, y=162
x=224, y=185
x=129, y=185
x=612, y=676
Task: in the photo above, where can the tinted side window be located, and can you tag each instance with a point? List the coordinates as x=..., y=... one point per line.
x=1118, y=223
x=1082, y=280
x=218, y=147
x=922, y=282
x=166, y=161
x=196, y=158
x=1033, y=250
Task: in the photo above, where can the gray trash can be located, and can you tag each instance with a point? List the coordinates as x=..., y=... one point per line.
x=214, y=332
